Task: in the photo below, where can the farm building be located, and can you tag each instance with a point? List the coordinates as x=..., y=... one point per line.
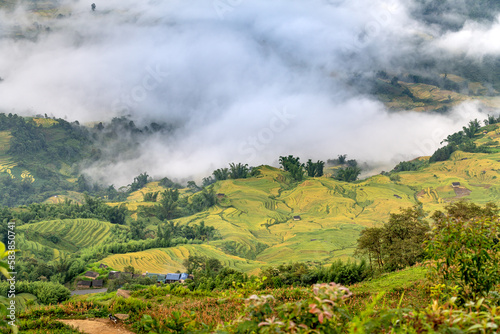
x=83, y=284
x=455, y=184
x=397, y=196
x=98, y=283
x=297, y=218
x=172, y=278
x=169, y=278
x=91, y=274
x=102, y=266
x=114, y=274
x=220, y=195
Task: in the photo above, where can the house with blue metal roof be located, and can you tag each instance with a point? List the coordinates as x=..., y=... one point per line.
x=169, y=278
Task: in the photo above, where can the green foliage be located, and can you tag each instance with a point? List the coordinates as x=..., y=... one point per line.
x=472, y=128
x=292, y=165
x=46, y=325
x=168, y=231
x=195, y=264
x=221, y=174
x=93, y=208
x=315, y=169
x=151, y=196
x=167, y=183
x=138, y=229
x=178, y=322
x=442, y=154
x=45, y=292
x=301, y=274
x=466, y=254
x=238, y=171
x=125, y=281
x=323, y=311
x=398, y=243
x=347, y=174
x=465, y=211
x=140, y=181
x=406, y=166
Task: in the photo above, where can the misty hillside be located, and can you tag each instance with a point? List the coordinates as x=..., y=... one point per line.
x=263, y=166
x=238, y=82
x=266, y=218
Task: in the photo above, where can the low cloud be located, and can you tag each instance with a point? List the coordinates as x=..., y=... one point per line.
x=242, y=81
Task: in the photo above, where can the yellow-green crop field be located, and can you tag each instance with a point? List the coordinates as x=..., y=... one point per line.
x=73, y=234
x=170, y=259
x=6, y=163
x=261, y=210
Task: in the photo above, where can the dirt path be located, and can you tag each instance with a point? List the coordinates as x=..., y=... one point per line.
x=97, y=326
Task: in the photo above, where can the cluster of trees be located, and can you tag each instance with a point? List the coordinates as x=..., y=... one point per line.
x=296, y=169
x=235, y=171
x=349, y=170
x=209, y=274
x=303, y=274
x=347, y=174
x=45, y=292
x=92, y=207
x=407, y=166
x=62, y=270
x=169, y=205
x=170, y=230
x=491, y=120
x=400, y=242
x=462, y=141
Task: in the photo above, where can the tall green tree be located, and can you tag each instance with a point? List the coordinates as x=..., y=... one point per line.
x=403, y=237
x=221, y=174
x=369, y=244
x=238, y=171
x=347, y=174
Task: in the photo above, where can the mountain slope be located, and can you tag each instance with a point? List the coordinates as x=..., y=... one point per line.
x=255, y=216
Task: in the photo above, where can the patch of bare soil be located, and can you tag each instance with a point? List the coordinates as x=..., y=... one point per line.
x=461, y=192
x=96, y=326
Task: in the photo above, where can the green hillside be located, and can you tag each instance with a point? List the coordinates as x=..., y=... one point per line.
x=67, y=235
x=255, y=216
x=170, y=259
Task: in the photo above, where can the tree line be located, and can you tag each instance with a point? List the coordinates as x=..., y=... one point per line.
x=400, y=242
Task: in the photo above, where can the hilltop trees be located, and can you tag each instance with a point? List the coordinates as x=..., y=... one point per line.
x=347, y=174
x=140, y=181
x=292, y=165
x=221, y=174
x=167, y=207
x=461, y=140
x=472, y=128
x=314, y=169
x=238, y=171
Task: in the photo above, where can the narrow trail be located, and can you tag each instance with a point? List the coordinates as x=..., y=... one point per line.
x=96, y=326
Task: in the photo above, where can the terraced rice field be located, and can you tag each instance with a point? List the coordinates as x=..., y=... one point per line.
x=332, y=213
x=74, y=234
x=6, y=163
x=167, y=260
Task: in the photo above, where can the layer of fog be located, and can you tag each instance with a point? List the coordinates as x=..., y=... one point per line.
x=243, y=81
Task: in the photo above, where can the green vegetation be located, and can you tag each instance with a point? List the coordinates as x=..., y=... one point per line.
x=397, y=244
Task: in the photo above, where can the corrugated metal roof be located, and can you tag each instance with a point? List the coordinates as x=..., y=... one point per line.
x=173, y=277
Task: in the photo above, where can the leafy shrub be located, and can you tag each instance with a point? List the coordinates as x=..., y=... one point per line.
x=466, y=254
x=46, y=292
